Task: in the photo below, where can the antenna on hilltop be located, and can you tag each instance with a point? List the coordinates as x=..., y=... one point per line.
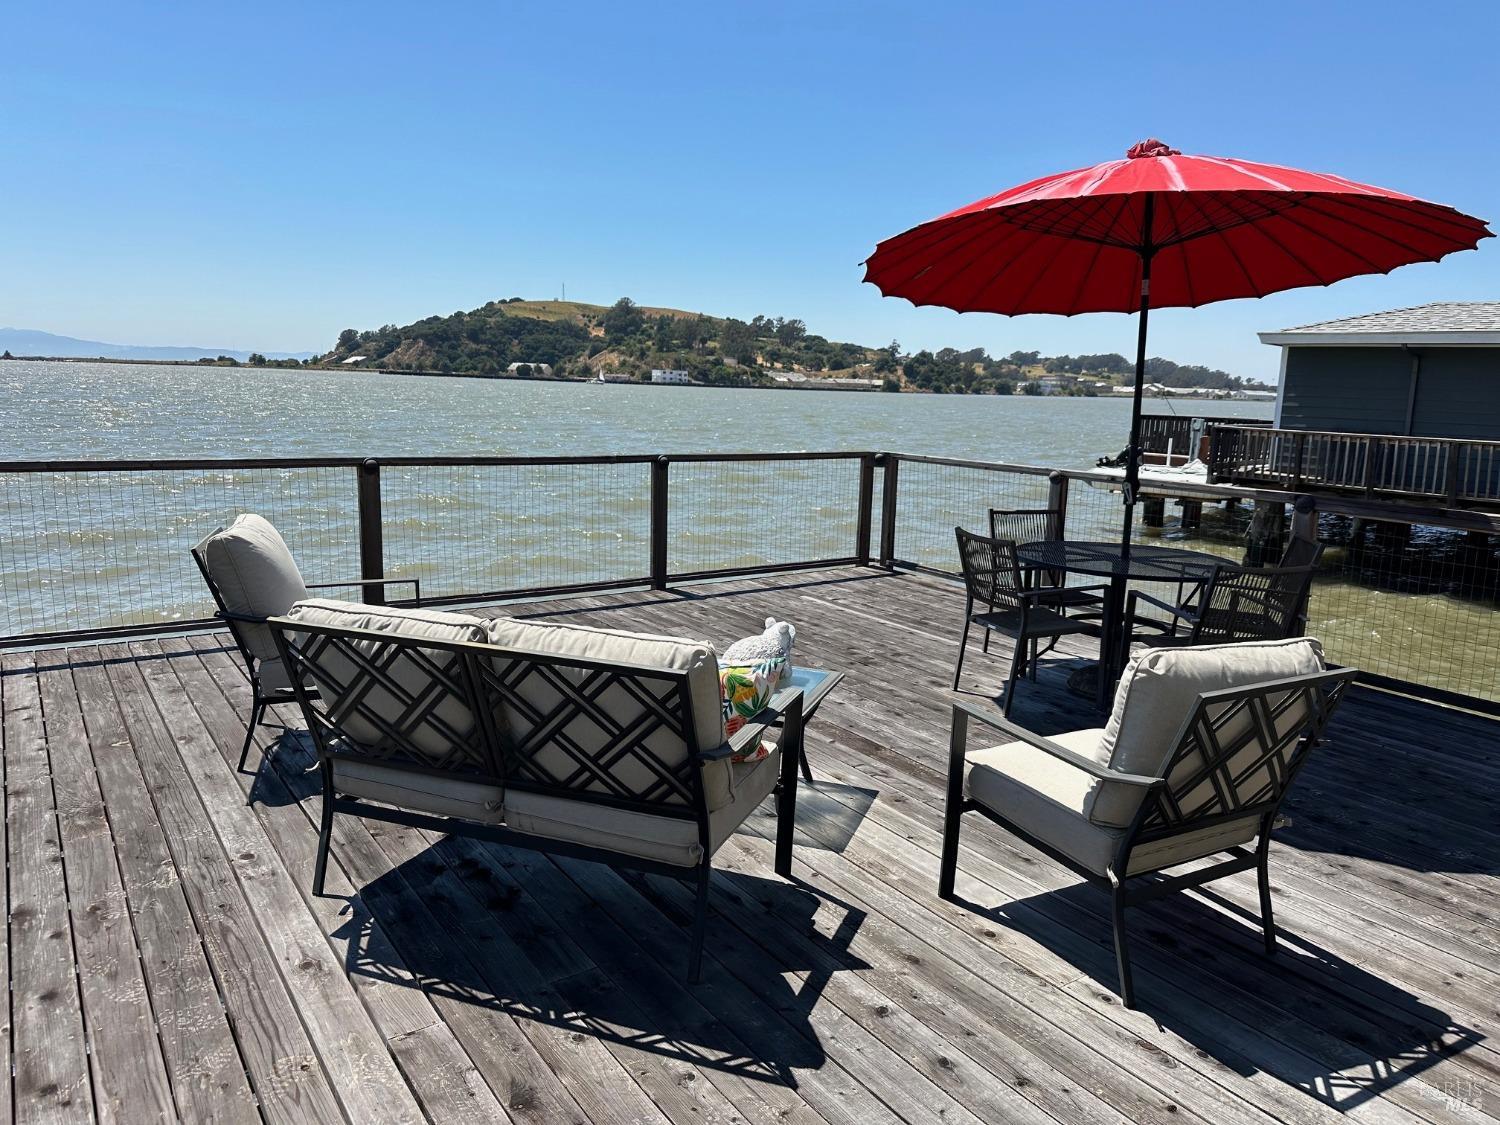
x=564, y=296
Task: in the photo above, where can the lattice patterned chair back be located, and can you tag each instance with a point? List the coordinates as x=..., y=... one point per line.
x=1239, y=750
x=596, y=731
x=991, y=569
x=1241, y=604
x=413, y=698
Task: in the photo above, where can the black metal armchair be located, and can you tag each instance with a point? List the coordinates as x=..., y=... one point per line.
x=253, y=577
x=1116, y=806
x=994, y=583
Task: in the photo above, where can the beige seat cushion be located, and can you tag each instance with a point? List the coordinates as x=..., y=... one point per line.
x=643, y=835
x=255, y=574
x=437, y=794
x=617, y=647
x=1157, y=694
x=1047, y=798
x=272, y=675
x=446, y=734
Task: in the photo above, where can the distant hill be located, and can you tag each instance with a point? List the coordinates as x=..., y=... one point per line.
x=30, y=342
x=580, y=341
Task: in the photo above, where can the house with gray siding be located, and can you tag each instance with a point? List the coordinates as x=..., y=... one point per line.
x=1428, y=371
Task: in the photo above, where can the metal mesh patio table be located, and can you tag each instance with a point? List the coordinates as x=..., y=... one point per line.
x=1143, y=563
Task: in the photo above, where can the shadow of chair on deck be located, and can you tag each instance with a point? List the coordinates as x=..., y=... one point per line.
x=599, y=952
x=1306, y=1016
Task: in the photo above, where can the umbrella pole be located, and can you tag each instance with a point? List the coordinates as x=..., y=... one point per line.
x=1133, y=460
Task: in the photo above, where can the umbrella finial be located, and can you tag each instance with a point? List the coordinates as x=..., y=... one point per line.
x=1151, y=147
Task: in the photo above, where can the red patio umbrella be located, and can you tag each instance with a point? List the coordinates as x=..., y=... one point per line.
x=1165, y=230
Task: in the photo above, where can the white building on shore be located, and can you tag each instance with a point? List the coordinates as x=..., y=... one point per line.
x=662, y=375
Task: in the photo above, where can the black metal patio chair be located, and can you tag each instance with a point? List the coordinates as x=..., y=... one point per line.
x=1195, y=763
x=1037, y=525
x=997, y=596
x=253, y=577
x=1235, y=604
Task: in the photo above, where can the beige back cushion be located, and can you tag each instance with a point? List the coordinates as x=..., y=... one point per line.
x=256, y=575
x=363, y=708
x=1158, y=692
x=697, y=658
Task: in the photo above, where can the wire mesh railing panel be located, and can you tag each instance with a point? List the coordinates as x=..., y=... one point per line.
x=732, y=514
x=1418, y=604
x=98, y=550
x=934, y=498
x=1414, y=603
x=467, y=530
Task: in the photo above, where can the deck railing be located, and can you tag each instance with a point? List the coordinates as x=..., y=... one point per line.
x=98, y=548
x=1173, y=433
x=1446, y=470
x=90, y=550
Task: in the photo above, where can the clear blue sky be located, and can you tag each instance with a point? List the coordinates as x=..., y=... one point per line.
x=263, y=175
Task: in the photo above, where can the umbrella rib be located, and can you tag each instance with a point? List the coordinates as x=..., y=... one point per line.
x=1022, y=297
x=1234, y=254
x=1012, y=232
x=1414, y=210
x=1374, y=267
x=1297, y=259
x=926, y=236
x=1093, y=261
x=1187, y=274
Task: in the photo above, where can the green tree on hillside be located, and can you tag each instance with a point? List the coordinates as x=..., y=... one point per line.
x=788, y=332
x=624, y=319
x=348, y=339
x=737, y=340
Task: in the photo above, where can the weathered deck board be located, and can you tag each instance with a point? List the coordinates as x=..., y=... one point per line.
x=129, y=1069
x=166, y=955
x=51, y=1061
x=203, y=1060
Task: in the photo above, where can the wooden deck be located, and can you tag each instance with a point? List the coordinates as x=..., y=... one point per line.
x=165, y=958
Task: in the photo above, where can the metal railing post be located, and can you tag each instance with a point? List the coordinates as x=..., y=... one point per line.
x=1057, y=499
x=864, y=514
x=371, y=531
x=659, y=480
x=888, y=493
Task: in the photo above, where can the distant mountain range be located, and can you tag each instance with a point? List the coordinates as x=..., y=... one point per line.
x=30, y=342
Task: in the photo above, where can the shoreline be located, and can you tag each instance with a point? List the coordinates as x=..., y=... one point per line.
x=291, y=365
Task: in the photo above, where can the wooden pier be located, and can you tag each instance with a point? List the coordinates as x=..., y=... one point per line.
x=166, y=959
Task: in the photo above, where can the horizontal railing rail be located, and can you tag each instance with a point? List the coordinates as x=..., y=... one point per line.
x=91, y=549
x=99, y=549
x=1450, y=471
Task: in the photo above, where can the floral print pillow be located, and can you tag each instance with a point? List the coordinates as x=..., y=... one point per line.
x=746, y=689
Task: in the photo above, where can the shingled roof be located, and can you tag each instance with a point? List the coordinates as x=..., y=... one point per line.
x=1442, y=322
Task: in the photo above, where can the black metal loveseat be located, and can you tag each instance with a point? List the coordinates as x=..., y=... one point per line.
x=583, y=742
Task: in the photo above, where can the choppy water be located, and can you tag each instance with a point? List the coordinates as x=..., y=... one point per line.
x=135, y=410
x=81, y=551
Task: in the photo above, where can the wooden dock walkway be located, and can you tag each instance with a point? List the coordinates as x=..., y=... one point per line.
x=165, y=958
